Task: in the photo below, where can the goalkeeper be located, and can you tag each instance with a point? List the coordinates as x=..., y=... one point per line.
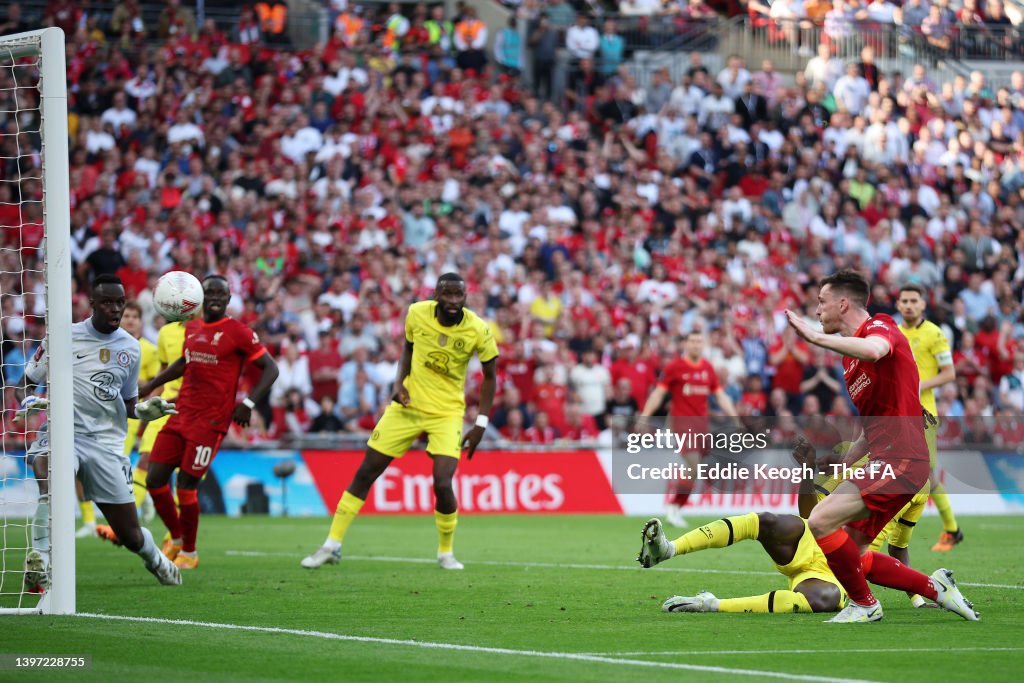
x=105, y=378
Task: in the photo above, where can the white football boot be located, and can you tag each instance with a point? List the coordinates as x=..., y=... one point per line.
x=702, y=602
x=857, y=614
x=448, y=561
x=322, y=556
x=950, y=598
x=654, y=547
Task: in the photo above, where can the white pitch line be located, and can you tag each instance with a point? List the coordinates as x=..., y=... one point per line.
x=802, y=652
x=532, y=565
x=428, y=645
x=560, y=565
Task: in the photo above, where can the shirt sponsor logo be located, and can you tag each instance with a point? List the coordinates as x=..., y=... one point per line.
x=859, y=385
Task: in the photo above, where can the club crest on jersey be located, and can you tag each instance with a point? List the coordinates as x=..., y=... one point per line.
x=459, y=344
x=442, y=339
x=124, y=359
x=104, y=355
x=216, y=338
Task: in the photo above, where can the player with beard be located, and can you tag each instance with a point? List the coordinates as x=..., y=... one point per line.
x=441, y=337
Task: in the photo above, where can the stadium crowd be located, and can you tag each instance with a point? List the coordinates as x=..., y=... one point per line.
x=332, y=186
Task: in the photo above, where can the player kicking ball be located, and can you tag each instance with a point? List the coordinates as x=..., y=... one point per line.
x=441, y=337
x=216, y=349
x=105, y=374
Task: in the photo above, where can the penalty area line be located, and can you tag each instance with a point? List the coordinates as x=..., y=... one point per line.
x=566, y=565
x=429, y=645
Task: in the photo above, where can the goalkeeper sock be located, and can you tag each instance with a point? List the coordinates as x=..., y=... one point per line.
x=188, y=501
x=139, y=487
x=446, y=524
x=41, y=526
x=782, y=602
x=941, y=499
x=163, y=501
x=88, y=513
x=149, y=553
x=719, y=534
x=348, y=507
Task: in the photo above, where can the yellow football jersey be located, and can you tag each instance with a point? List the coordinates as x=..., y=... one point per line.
x=170, y=345
x=150, y=364
x=931, y=352
x=440, y=356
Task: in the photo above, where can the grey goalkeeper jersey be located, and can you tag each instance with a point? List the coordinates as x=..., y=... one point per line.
x=106, y=374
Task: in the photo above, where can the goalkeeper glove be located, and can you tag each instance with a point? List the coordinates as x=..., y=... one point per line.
x=31, y=404
x=154, y=408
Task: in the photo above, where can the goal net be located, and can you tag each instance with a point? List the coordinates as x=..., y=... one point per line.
x=35, y=305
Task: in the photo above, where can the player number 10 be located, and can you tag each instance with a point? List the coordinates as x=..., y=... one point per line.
x=203, y=456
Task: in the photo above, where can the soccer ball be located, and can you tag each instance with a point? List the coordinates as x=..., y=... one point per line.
x=178, y=296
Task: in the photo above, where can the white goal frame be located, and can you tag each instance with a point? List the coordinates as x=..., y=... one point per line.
x=48, y=45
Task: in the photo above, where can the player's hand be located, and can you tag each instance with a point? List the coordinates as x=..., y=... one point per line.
x=401, y=396
x=241, y=415
x=800, y=326
x=31, y=404
x=929, y=419
x=154, y=408
x=804, y=453
x=472, y=439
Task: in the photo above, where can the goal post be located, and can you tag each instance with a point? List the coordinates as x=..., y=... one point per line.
x=36, y=60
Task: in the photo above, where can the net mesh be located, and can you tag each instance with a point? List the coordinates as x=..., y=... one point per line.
x=22, y=306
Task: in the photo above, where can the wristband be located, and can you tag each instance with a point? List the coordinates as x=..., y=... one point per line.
x=247, y=402
x=482, y=421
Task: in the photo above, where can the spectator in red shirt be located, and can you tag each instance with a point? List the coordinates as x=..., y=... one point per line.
x=789, y=356
x=541, y=432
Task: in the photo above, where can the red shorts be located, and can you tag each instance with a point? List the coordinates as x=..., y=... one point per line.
x=193, y=453
x=885, y=496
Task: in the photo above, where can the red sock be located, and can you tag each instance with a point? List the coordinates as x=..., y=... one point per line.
x=887, y=571
x=188, y=499
x=681, y=492
x=163, y=501
x=843, y=557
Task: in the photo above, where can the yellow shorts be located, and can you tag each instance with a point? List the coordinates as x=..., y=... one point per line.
x=809, y=563
x=132, y=436
x=152, y=430
x=901, y=527
x=399, y=427
x=931, y=436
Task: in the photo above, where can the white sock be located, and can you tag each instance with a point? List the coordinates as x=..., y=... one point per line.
x=149, y=553
x=41, y=526
x=332, y=545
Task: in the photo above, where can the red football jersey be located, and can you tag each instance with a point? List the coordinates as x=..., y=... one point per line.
x=888, y=388
x=214, y=356
x=689, y=385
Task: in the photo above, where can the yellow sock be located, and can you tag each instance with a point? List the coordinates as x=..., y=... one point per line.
x=446, y=524
x=88, y=513
x=781, y=602
x=348, y=507
x=719, y=534
x=139, y=487
x=941, y=499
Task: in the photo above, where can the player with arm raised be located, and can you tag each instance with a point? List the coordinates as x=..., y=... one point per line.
x=935, y=366
x=882, y=379
x=105, y=370
x=441, y=337
x=216, y=348
x=689, y=381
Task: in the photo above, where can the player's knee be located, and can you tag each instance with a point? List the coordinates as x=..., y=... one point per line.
x=443, y=486
x=823, y=598
x=767, y=524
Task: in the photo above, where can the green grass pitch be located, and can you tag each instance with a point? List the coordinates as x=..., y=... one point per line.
x=542, y=598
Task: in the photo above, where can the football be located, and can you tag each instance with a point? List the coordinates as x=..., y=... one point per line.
x=178, y=296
